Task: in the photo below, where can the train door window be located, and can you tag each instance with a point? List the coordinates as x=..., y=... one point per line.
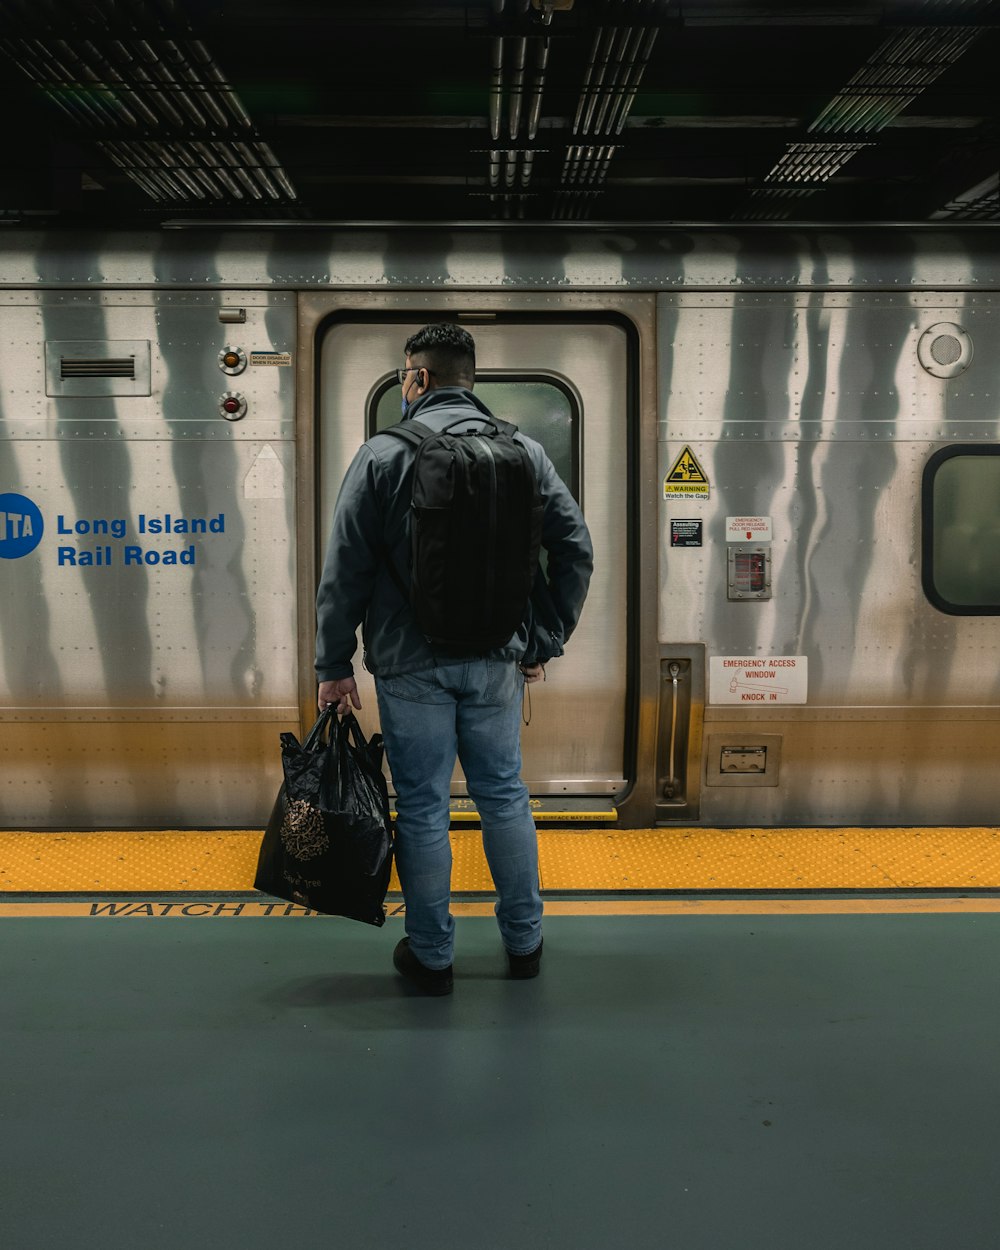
x=541, y=405
x=961, y=530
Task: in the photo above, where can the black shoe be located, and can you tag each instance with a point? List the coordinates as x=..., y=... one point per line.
x=427, y=980
x=521, y=967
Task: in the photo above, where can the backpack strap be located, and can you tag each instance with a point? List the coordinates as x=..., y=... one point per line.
x=414, y=433
x=411, y=432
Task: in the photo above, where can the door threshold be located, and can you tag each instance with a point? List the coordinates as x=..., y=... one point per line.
x=548, y=808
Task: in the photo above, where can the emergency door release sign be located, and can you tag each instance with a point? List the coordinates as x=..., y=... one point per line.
x=748, y=529
x=764, y=679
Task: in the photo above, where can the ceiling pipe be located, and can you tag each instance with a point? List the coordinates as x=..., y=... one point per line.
x=56, y=77
x=77, y=110
x=163, y=153
x=243, y=176
x=145, y=15
x=212, y=159
x=137, y=97
x=171, y=189
x=184, y=154
x=202, y=176
x=535, y=106
x=275, y=169
x=202, y=73
x=617, y=125
x=517, y=87
x=496, y=87
x=159, y=96
x=206, y=97
x=169, y=81
x=173, y=66
x=252, y=167
x=592, y=79
x=226, y=93
x=628, y=46
x=90, y=78
x=146, y=185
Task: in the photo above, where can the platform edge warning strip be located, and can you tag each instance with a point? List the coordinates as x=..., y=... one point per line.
x=599, y=860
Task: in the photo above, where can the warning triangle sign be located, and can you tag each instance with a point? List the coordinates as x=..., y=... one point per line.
x=687, y=469
x=686, y=479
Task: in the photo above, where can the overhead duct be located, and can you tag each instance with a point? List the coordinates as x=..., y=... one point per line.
x=887, y=84
x=618, y=59
x=158, y=106
x=979, y=203
x=511, y=156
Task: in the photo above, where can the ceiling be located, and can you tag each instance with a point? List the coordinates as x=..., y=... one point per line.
x=133, y=113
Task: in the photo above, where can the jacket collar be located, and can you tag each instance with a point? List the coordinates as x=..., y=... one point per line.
x=445, y=397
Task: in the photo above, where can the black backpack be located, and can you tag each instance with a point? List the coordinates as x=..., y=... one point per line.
x=475, y=529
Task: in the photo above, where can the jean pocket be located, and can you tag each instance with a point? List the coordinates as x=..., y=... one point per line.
x=503, y=682
x=414, y=687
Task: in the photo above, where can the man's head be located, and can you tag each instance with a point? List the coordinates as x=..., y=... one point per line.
x=439, y=355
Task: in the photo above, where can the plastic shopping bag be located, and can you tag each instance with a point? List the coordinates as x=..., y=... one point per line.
x=328, y=844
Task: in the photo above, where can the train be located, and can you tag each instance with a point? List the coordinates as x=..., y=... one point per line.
x=784, y=438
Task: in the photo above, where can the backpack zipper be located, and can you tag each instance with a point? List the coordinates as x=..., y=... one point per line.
x=490, y=567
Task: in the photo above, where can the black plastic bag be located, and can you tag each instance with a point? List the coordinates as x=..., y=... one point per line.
x=328, y=844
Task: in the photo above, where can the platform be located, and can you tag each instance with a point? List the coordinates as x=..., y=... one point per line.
x=767, y=1082
x=771, y=1039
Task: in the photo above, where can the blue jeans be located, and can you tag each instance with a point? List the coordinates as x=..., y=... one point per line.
x=472, y=709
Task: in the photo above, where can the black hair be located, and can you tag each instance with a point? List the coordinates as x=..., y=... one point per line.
x=448, y=351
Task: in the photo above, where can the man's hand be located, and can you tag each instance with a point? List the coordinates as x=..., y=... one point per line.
x=343, y=693
x=533, y=672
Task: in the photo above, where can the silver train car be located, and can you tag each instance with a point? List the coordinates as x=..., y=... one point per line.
x=784, y=439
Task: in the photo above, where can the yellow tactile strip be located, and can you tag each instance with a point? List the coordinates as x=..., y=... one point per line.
x=569, y=859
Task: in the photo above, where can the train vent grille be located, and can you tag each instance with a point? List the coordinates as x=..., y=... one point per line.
x=91, y=367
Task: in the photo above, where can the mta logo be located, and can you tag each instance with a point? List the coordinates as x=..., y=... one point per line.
x=21, y=526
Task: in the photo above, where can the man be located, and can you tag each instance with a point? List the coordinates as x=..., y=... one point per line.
x=433, y=705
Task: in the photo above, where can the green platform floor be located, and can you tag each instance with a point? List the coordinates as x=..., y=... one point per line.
x=696, y=1081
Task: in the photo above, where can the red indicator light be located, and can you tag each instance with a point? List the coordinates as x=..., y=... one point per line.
x=231, y=405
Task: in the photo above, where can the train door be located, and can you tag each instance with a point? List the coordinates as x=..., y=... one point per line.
x=563, y=382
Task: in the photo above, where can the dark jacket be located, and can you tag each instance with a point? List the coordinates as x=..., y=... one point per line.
x=371, y=519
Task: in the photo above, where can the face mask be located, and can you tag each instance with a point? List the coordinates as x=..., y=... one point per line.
x=405, y=405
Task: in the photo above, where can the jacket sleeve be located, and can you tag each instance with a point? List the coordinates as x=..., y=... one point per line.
x=352, y=560
x=559, y=594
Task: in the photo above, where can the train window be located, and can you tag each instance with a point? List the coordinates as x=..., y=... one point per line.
x=961, y=530
x=541, y=406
